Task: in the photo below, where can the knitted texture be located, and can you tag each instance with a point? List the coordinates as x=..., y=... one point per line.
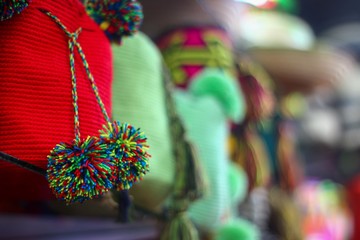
x=36, y=109
x=139, y=98
x=205, y=119
x=189, y=50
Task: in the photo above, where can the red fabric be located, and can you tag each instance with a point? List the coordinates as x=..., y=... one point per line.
x=36, y=109
x=353, y=197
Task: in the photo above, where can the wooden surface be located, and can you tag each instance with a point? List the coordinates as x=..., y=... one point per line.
x=56, y=228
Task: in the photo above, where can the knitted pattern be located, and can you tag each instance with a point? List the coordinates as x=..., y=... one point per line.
x=188, y=50
x=139, y=98
x=36, y=109
x=203, y=111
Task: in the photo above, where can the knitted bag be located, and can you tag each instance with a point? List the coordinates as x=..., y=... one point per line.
x=139, y=97
x=175, y=179
x=189, y=50
x=36, y=111
x=236, y=227
x=212, y=99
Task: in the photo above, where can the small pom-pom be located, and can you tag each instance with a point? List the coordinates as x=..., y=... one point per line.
x=127, y=146
x=117, y=18
x=238, y=229
x=79, y=171
x=9, y=7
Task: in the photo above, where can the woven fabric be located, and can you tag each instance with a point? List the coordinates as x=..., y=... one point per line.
x=189, y=50
x=139, y=98
x=36, y=109
x=206, y=121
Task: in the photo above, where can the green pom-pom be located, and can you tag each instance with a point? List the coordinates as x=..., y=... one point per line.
x=220, y=85
x=80, y=171
x=128, y=148
x=117, y=18
x=238, y=183
x=9, y=7
x=238, y=229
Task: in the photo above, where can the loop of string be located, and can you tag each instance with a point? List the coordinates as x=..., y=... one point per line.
x=72, y=43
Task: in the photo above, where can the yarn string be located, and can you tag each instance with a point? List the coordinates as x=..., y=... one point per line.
x=87, y=168
x=92, y=81
x=73, y=42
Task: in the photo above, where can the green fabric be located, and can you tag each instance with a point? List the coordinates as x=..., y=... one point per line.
x=221, y=85
x=139, y=98
x=205, y=116
x=238, y=184
x=238, y=229
x=189, y=182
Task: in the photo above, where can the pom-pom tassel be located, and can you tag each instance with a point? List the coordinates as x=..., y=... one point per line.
x=117, y=18
x=128, y=148
x=80, y=171
x=179, y=227
x=9, y=7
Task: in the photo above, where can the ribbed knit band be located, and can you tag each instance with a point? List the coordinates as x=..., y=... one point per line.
x=36, y=109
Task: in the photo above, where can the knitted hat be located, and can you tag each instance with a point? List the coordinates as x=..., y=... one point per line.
x=189, y=50
x=58, y=83
x=139, y=97
x=211, y=100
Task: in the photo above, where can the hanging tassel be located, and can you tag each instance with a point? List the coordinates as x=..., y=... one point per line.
x=180, y=227
x=253, y=158
x=193, y=186
x=288, y=162
x=189, y=178
x=189, y=186
x=260, y=101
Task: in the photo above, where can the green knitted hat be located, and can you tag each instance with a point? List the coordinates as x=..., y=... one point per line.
x=212, y=99
x=139, y=98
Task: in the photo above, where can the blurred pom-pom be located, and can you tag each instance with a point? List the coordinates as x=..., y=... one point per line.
x=117, y=18
x=9, y=7
x=238, y=229
x=128, y=147
x=80, y=171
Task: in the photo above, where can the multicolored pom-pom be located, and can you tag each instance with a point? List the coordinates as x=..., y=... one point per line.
x=80, y=171
x=117, y=18
x=127, y=146
x=9, y=7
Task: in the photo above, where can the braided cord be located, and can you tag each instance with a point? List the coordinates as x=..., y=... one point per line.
x=93, y=84
x=72, y=43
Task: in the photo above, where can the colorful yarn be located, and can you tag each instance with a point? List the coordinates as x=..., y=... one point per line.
x=79, y=171
x=44, y=114
x=128, y=148
x=260, y=101
x=9, y=7
x=117, y=18
x=189, y=50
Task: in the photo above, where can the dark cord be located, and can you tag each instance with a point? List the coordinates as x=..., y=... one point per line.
x=10, y=159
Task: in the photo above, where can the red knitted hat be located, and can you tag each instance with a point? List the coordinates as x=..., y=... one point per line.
x=36, y=110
